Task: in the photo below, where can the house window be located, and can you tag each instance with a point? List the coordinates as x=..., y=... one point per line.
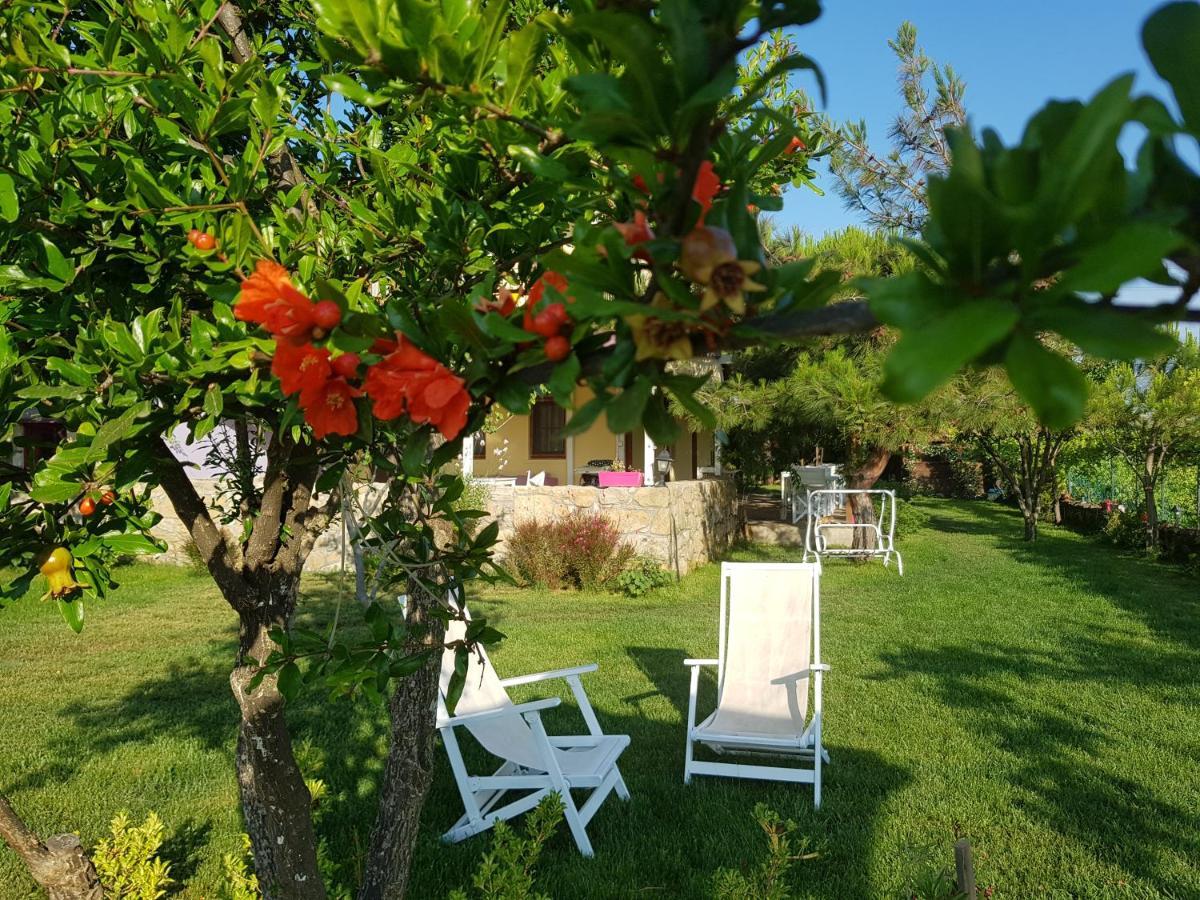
x=480, y=445
x=546, y=421
x=38, y=441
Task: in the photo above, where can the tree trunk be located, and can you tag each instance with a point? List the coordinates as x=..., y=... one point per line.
x=1031, y=502
x=58, y=864
x=874, y=461
x=409, y=767
x=1148, y=489
x=275, y=800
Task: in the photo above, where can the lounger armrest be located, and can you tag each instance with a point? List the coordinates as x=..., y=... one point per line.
x=543, y=676
x=819, y=667
x=518, y=709
x=691, y=663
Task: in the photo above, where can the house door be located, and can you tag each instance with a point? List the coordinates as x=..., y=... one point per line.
x=629, y=449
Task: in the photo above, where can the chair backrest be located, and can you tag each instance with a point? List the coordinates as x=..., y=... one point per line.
x=770, y=635
x=507, y=737
x=814, y=476
x=537, y=480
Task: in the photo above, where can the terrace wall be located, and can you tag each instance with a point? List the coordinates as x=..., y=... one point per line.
x=683, y=525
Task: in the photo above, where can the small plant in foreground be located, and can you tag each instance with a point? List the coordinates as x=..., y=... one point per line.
x=642, y=576
x=767, y=881
x=240, y=881
x=127, y=861
x=506, y=870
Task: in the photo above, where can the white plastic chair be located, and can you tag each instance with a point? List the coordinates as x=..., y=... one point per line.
x=768, y=662
x=534, y=763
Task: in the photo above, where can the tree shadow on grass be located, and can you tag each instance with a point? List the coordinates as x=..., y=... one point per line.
x=1162, y=596
x=1064, y=758
x=855, y=787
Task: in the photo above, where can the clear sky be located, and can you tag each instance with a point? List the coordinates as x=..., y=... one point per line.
x=1014, y=56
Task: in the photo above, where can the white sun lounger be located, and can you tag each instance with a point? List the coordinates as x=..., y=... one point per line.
x=534, y=764
x=769, y=659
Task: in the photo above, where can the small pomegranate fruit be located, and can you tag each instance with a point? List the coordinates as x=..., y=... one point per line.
x=327, y=315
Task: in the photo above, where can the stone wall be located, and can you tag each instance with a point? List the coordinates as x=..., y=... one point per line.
x=1085, y=517
x=325, y=557
x=683, y=525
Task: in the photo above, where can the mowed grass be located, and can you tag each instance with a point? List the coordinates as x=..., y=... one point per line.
x=1042, y=701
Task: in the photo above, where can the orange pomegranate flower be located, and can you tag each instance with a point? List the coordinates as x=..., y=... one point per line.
x=300, y=368
x=329, y=408
x=556, y=280
x=412, y=382
x=269, y=298
x=705, y=188
x=636, y=232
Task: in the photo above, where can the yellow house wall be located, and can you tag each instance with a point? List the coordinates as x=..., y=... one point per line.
x=508, y=449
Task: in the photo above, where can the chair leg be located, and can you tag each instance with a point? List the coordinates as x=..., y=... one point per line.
x=575, y=823
x=817, y=780
x=619, y=787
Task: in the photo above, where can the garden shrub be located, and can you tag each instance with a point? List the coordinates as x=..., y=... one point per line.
x=909, y=517
x=767, y=880
x=642, y=575
x=1126, y=530
x=127, y=861
x=579, y=549
x=506, y=870
x=533, y=555
x=240, y=881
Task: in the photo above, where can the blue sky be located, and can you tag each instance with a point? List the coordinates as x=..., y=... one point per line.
x=1014, y=56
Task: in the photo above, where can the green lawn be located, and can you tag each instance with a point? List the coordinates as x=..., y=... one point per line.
x=1042, y=701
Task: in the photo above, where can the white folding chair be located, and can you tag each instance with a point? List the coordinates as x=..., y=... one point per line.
x=534, y=764
x=768, y=661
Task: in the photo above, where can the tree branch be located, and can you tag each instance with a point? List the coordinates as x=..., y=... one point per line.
x=220, y=556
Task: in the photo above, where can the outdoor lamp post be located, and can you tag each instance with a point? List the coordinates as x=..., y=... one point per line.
x=662, y=465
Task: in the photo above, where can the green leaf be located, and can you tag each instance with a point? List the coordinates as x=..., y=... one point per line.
x=1171, y=37
x=1052, y=385
x=924, y=358
x=562, y=380
x=659, y=423
x=53, y=491
x=72, y=613
x=214, y=402
x=1132, y=251
x=57, y=264
x=9, y=206
x=415, y=451
x=536, y=164
x=290, y=681
x=1104, y=332
x=581, y=420
x=132, y=544
x=458, y=678
x=117, y=429
x=624, y=412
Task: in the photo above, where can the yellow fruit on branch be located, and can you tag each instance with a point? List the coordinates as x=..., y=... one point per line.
x=57, y=569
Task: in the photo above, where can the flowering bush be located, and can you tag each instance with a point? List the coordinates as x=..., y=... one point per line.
x=580, y=549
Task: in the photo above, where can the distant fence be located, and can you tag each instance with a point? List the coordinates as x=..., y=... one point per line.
x=1176, y=543
x=1177, y=497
